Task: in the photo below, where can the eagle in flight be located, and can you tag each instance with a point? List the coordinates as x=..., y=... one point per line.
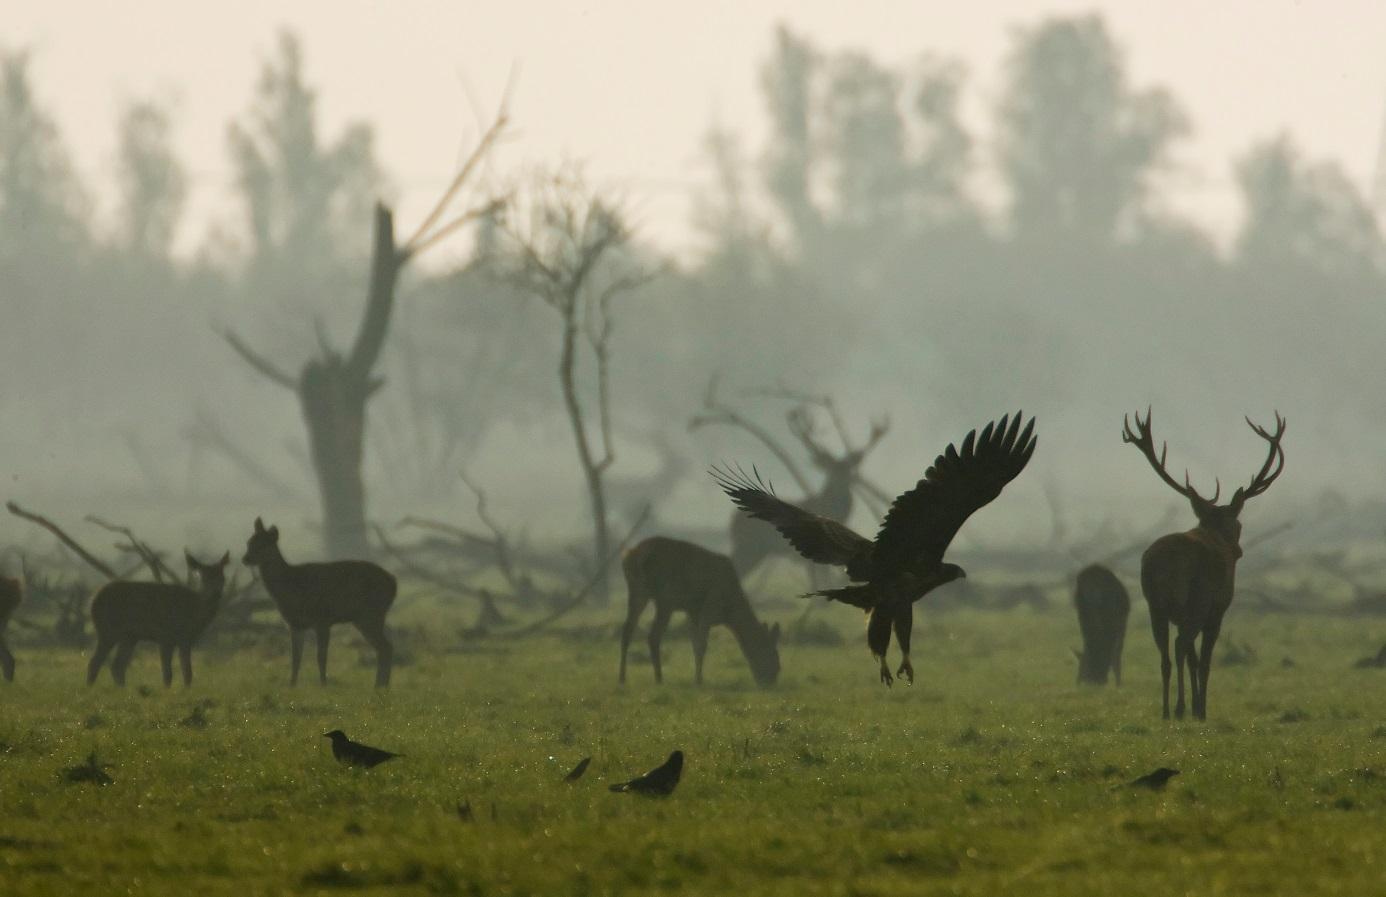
x=905, y=562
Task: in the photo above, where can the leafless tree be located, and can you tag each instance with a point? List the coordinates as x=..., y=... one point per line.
x=571, y=247
x=333, y=388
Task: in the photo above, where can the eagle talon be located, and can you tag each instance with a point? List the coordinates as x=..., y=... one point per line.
x=906, y=672
x=886, y=677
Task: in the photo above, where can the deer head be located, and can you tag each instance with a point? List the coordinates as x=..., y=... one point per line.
x=261, y=545
x=764, y=655
x=1219, y=519
x=802, y=425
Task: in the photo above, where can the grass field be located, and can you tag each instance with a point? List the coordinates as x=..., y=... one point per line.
x=992, y=775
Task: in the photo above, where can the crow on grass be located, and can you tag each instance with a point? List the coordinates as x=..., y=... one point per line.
x=353, y=753
x=658, y=782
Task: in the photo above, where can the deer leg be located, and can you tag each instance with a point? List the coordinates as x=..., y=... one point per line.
x=185, y=661
x=1159, y=625
x=635, y=606
x=295, y=653
x=374, y=633
x=98, y=657
x=122, y=661
x=904, y=625
x=700, y=629
x=1183, y=657
x=166, y=663
x=6, y=661
x=1205, y=666
x=323, y=636
x=1116, y=656
x=661, y=621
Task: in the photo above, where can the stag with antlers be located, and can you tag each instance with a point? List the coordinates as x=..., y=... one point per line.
x=1188, y=577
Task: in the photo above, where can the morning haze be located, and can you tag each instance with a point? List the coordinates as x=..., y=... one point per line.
x=428, y=321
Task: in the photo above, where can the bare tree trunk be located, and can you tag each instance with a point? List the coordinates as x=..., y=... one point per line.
x=593, y=470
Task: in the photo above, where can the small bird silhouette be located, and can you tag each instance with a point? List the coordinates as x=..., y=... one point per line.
x=1155, y=781
x=658, y=782
x=578, y=770
x=355, y=754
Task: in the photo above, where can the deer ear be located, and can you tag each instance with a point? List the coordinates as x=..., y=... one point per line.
x=191, y=561
x=225, y=559
x=259, y=525
x=273, y=533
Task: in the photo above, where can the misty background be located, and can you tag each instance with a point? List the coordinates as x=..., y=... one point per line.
x=938, y=222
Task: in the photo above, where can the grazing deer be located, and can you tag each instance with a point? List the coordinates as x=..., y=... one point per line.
x=1103, y=606
x=170, y=615
x=316, y=596
x=1188, y=577
x=752, y=540
x=11, y=593
x=681, y=576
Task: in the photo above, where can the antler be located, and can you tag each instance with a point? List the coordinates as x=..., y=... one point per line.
x=879, y=428
x=1275, y=458
x=802, y=425
x=1142, y=440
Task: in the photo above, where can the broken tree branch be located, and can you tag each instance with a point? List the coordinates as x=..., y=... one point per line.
x=63, y=537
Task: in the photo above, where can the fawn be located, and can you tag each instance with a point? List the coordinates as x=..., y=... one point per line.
x=681, y=576
x=168, y=614
x=316, y=596
x=1103, y=606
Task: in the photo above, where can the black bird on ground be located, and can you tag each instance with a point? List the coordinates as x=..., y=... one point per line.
x=1155, y=781
x=658, y=782
x=355, y=754
x=578, y=770
x=905, y=561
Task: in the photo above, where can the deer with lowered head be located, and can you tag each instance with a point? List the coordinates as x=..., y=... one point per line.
x=317, y=596
x=753, y=540
x=11, y=593
x=1188, y=578
x=681, y=576
x=172, y=616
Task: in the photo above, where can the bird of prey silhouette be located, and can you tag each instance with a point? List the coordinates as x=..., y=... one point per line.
x=355, y=754
x=658, y=782
x=905, y=562
x=1155, y=781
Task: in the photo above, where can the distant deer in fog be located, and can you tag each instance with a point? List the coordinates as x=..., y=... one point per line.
x=11, y=593
x=1188, y=577
x=1103, y=606
x=317, y=596
x=681, y=576
x=170, y=615
x=755, y=540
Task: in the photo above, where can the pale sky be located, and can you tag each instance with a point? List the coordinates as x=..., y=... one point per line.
x=630, y=86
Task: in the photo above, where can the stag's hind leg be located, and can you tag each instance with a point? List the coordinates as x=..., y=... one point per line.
x=636, y=600
x=1184, y=657
x=166, y=664
x=1205, y=666
x=1159, y=626
x=373, y=631
x=185, y=661
x=661, y=622
x=322, y=637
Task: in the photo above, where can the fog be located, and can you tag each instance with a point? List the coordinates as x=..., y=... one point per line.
x=936, y=218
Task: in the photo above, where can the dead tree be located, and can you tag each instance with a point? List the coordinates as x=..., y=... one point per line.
x=333, y=388
x=570, y=247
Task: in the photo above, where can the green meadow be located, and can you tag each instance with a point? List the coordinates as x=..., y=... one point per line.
x=992, y=774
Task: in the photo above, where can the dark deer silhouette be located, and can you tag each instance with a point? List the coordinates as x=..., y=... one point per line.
x=752, y=540
x=11, y=593
x=681, y=576
x=1188, y=577
x=317, y=596
x=170, y=615
x=1103, y=606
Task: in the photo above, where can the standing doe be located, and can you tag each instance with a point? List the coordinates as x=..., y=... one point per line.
x=1188, y=577
x=1103, y=606
x=681, y=576
x=316, y=596
x=11, y=593
x=168, y=614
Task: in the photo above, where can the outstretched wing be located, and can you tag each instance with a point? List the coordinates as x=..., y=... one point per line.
x=921, y=522
x=818, y=539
